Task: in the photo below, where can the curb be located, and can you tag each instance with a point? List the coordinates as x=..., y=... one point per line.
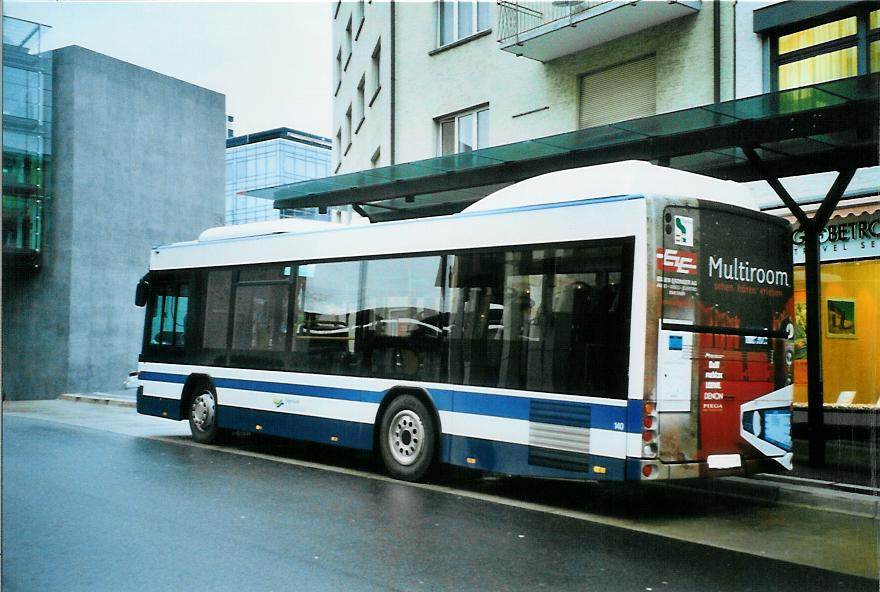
x=98, y=399
x=822, y=495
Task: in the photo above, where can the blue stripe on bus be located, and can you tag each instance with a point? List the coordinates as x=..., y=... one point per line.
x=326, y=392
x=607, y=417
x=554, y=205
x=336, y=432
x=163, y=377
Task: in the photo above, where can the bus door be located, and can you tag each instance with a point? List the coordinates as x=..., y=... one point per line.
x=724, y=357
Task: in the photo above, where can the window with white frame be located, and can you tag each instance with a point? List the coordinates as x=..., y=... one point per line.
x=376, y=70
x=361, y=112
x=459, y=19
x=338, y=149
x=348, y=45
x=348, y=135
x=359, y=17
x=337, y=72
x=465, y=131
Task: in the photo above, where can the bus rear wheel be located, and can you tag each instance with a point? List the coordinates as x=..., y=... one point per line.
x=407, y=438
x=203, y=416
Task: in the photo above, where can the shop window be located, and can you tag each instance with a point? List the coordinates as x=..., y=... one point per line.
x=850, y=322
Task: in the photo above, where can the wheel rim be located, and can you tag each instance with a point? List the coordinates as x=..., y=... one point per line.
x=203, y=411
x=406, y=437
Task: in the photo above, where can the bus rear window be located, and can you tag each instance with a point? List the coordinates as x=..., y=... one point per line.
x=722, y=270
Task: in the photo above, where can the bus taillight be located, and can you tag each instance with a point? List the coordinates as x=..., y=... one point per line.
x=649, y=433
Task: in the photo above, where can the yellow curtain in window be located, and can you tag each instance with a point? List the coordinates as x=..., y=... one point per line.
x=816, y=35
x=821, y=68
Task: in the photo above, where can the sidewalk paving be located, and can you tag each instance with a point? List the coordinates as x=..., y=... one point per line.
x=837, y=487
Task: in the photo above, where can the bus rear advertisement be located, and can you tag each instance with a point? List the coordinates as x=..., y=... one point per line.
x=622, y=322
x=726, y=329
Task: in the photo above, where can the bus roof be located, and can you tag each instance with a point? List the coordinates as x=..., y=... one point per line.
x=630, y=177
x=611, y=185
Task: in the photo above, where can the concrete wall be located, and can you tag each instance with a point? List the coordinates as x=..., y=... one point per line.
x=139, y=161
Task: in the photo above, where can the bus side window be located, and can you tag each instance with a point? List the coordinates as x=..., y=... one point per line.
x=400, y=324
x=326, y=318
x=546, y=319
x=260, y=317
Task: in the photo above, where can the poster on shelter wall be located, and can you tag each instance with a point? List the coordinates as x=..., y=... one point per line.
x=841, y=323
x=800, y=325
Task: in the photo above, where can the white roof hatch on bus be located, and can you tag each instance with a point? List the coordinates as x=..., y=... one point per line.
x=630, y=177
x=280, y=226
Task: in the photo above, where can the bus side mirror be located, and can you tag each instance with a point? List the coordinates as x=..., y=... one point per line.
x=142, y=292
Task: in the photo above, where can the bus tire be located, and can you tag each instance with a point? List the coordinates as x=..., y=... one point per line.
x=407, y=438
x=202, y=414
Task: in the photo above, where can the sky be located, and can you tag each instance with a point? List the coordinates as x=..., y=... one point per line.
x=272, y=60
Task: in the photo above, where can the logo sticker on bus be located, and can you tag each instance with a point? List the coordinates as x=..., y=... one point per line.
x=677, y=261
x=684, y=231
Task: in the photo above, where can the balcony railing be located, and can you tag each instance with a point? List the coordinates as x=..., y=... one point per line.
x=516, y=18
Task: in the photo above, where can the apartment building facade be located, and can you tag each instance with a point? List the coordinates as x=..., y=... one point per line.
x=457, y=76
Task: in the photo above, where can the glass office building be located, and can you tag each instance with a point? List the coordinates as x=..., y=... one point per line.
x=27, y=142
x=270, y=158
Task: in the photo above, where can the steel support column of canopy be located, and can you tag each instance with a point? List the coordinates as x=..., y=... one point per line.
x=812, y=229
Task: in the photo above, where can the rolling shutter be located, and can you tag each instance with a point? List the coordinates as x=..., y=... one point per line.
x=619, y=93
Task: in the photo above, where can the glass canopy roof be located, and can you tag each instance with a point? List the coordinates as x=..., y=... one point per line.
x=805, y=130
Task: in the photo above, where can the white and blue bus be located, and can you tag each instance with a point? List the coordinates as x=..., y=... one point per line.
x=623, y=321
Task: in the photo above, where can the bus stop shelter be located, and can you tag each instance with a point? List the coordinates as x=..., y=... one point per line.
x=828, y=127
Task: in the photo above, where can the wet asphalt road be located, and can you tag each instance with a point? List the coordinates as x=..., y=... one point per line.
x=90, y=510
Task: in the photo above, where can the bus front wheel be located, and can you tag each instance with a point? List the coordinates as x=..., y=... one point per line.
x=203, y=416
x=407, y=438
